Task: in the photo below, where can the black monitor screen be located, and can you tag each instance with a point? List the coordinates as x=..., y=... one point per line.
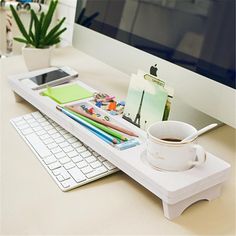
x=196, y=34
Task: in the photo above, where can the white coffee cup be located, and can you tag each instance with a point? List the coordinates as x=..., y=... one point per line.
x=169, y=154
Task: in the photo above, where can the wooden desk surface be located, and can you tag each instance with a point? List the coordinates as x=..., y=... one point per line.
x=31, y=203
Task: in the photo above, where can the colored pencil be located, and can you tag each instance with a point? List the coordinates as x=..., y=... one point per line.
x=99, y=126
x=101, y=121
x=87, y=125
x=103, y=138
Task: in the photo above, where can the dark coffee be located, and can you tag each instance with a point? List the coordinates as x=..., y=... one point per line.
x=171, y=139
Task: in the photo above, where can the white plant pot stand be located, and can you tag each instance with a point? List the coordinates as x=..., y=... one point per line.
x=177, y=190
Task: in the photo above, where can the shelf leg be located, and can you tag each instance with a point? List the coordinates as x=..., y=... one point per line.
x=18, y=98
x=172, y=211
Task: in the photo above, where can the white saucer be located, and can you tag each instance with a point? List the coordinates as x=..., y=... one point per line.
x=145, y=160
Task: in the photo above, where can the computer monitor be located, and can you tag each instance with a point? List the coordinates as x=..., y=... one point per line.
x=191, y=42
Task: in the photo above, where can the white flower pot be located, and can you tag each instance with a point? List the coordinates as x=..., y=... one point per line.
x=37, y=58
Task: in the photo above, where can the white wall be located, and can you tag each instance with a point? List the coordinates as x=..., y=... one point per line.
x=2, y=32
x=66, y=8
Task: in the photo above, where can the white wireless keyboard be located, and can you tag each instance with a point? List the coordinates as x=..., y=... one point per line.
x=69, y=161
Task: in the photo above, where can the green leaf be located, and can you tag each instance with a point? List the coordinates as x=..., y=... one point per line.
x=21, y=40
x=20, y=24
x=54, y=30
x=48, y=17
x=40, y=26
x=31, y=35
x=55, y=36
x=54, y=41
x=36, y=28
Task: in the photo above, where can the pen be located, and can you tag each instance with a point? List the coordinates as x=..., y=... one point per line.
x=87, y=125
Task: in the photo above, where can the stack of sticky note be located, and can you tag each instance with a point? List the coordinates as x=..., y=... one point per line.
x=67, y=93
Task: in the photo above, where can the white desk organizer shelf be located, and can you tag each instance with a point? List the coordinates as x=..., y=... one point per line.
x=177, y=190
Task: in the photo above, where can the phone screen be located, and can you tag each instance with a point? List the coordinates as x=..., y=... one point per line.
x=49, y=77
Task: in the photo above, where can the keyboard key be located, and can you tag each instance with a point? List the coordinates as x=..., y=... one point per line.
x=41, y=132
x=95, y=164
x=37, y=115
x=52, y=131
x=38, y=145
x=56, y=135
x=64, y=160
x=50, y=159
x=76, y=158
x=95, y=154
x=69, y=165
x=57, y=171
x=38, y=128
x=60, y=178
x=45, y=136
x=60, y=155
x=87, y=169
x=28, y=116
x=85, y=154
x=58, y=128
x=63, y=131
x=61, y=171
x=56, y=150
x=45, y=123
x=24, y=126
x=48, y=141
x=59, y=140
x=72, y=154
x=54, y=165
x=42, y=120
x=96, y=172
x=72, y=140
x=100, y=158
x=81, y=149
x=90, y=159
x=109, y=165
x=18, y=119
x=54, y=124
x=48, y=127
x=52, y=145
x=67, y=136
x=68, y=149
x=68, y=183
x=64, y=144
x=34, y=124
x=64, y=173
x=21, y=122
x=77, y=175
x=81, y=164
x=27, y=131
x=76, y=144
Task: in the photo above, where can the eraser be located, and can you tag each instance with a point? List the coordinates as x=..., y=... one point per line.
x=127, y=144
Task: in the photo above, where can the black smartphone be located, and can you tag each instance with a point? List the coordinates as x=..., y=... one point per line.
x=52, y=77
x=49, y=77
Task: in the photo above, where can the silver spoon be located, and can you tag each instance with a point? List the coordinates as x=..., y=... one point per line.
x=199, y=132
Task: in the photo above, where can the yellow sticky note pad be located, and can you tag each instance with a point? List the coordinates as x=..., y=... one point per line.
x=67, y=93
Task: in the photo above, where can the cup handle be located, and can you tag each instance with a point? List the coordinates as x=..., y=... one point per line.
x=201, y=155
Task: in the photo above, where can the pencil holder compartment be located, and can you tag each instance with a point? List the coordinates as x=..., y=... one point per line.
x=111, y=129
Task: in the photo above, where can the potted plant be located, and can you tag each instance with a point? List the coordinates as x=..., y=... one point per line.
x=40, y=36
